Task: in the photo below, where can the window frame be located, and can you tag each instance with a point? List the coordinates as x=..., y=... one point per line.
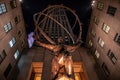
x=13, y=4
x=105, y=28
x=20, y=33
x=7, y=70
x=96, y=20
x=97, y=54
x=90, y=43
x=3, y=55
x=1, y=8
x=93, y=32
x=12, y=42
x=101, y=42
x=112, y=57
x=17, y=19
x=16, y=55
x=100, y=5
x=117, y=38
x=111, y=10
x=1, y=60
x=105, y=69
x=8, y=27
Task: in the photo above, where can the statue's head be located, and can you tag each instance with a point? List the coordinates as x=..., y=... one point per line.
x=60, y=40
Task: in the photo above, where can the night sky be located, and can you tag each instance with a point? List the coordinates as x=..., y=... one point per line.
x=82, y=8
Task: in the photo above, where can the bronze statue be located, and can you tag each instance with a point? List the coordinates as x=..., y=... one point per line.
x=62, y=57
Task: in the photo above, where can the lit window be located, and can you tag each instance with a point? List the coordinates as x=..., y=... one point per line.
x=96, y=20
x=93, y=32
x=100, y=5
x=97, y=54
x=112, y=56
x=117, y=38
x=8, y=27
x=105, y=69
x=16, y=55
x=105, y=28
x=2, y=8
x=90, y=43
x=12, y=42
x=13, y=4
x=101, y=42
x=111, y=10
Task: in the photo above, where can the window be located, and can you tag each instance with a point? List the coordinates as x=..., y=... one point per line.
x=112, y=56
x=23, y=43
x=90, y=43
x=17, y=19
x=8, y=27
x=1, y=60
x=105, y=69
x=105, y=28
x=3, y=55
x=97, y=54
x=6, y=72
x=12, y=42
x=111, y=10
x=93, y=32
x=13, y=4
x=16, y=55
x=2, y=8
x=96, y=20
x=101, y=42
x=117, y=38
x=19, y=33
x=100, y=5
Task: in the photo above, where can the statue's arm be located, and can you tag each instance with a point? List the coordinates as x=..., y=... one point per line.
x=54, y=48
x=71, y=48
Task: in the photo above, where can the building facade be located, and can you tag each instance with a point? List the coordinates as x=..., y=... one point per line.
x=104, y=37
x=53, y=30
x=13, y=39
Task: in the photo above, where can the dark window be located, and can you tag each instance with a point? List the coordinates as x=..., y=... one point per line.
x=111, y=10
x=13, y=4
x=1, y=60
x=17, y=19
x=19, y=33
x=105, y=69
x=6, y=72
x=2, y=8
x=3, y=55
x=112, y=56
x=117, y=38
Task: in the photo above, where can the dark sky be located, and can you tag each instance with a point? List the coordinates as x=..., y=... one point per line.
x=82, y=8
